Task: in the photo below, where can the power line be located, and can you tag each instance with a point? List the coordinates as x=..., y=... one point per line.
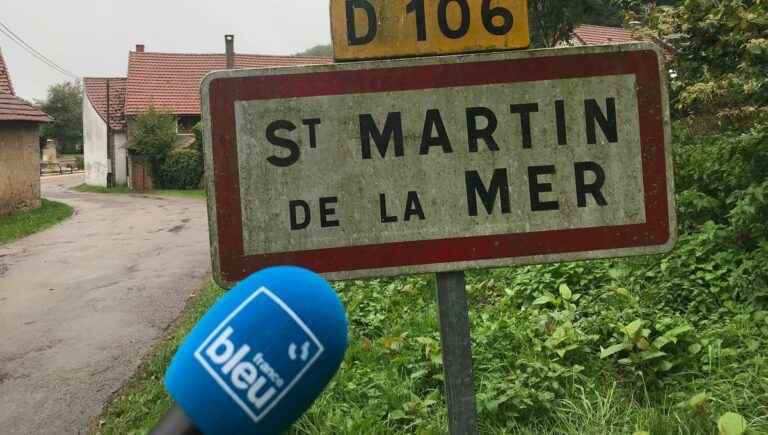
x=31, y=50
x=5, y=30
x=38, y=57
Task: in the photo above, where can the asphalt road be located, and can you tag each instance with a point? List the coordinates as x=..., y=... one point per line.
x=82, y=303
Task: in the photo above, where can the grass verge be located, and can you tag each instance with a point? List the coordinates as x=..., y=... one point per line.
x=391, y=379
x=138, y=405
x=193, y=193
x=24, y=223
x=86, y=188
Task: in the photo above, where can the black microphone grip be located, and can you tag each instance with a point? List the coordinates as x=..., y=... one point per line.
x=175, y=422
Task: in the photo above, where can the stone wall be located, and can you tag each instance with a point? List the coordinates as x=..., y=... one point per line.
x=19, y=166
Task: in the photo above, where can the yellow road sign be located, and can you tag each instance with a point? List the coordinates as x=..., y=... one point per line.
x=379, y=29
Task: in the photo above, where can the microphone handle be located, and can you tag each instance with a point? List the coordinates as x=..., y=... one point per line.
x=175, y=422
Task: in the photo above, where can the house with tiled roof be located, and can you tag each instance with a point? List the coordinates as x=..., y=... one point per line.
x=19, y=148
x=105, y=134
x=588, y=34
x=6, y=87
x=600, y=35
x=169, y=82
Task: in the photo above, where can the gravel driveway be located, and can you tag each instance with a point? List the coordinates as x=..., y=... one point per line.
x=82, y=303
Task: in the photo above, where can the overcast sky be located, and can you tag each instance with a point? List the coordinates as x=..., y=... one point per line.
x=93, y=37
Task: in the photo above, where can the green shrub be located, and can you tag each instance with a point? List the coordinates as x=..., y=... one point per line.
x=153, y=135
x=723, y=178
x=653, y=349
x=197, y=130
x=721, y=58
x=182, y=169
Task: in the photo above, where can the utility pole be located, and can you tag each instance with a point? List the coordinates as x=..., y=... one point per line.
x=229, y=41
x=110, y=143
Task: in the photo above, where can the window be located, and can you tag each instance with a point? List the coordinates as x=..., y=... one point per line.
x=186, y=123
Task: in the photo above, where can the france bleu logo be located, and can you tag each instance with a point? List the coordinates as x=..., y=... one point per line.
x=259, y=352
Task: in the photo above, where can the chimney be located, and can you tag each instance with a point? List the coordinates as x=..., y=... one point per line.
x=139, y=48
x=229, y=40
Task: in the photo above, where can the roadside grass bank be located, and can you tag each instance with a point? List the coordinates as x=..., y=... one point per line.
x=541, y=359
x=192, y=193
x=24, y=223
x=140, y=403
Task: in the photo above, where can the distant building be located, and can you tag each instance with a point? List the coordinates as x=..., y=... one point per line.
x=169, y=82
x=600, y=35
x=104, y=129
x=19, y=148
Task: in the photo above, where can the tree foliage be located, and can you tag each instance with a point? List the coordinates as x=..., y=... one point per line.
x=65, y=105
x=720, y=57
x=317, y=50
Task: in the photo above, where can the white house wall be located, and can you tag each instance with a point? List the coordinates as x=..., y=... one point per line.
x=94, y=146
x=121, y=159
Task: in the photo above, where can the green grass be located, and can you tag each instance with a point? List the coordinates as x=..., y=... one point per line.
x=24, y=223
x=142, y=401
x=192, y=193
x=86, y=188
x=391, y=378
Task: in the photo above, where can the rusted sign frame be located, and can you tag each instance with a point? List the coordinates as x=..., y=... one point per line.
x=220, y=91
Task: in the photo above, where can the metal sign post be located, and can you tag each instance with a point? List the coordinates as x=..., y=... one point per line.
x=456, y=342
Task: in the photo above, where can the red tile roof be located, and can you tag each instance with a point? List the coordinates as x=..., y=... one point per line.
x=599, y=35
x=171, y=82
x=6, y=87
x=96, y=92
x=13, y=108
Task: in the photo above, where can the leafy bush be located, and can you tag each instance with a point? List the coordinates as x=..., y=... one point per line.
x=197, y=130
x=153, y=135
x=652, y=349
x=182, y=169
x=723, y=178
x=721, y=58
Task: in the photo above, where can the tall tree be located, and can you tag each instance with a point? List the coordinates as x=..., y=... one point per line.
x=65, y=105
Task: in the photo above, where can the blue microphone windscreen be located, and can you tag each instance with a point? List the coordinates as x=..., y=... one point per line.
x=259, y=358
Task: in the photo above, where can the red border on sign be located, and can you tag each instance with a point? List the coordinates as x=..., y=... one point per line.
x=644, y=64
